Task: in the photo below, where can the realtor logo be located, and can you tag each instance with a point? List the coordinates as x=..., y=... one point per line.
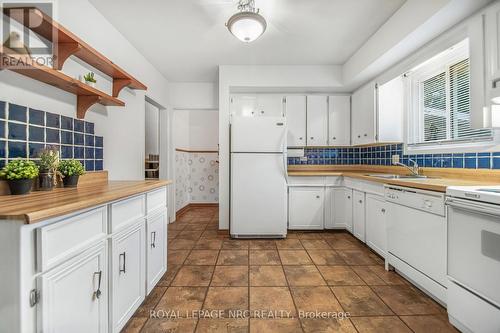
x=27, y=34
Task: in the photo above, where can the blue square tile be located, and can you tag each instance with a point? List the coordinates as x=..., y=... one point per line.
x=89, y=140
x=2, y=129
x=99, y=154
x=470, y=163
x=89, y=153
x=3, y=147
x=99, y=165
x=52, y=135
x=2, y=164
x=496, y=154
x=66, y=138
x=36, y=134
x=483, y=154
x=66, y=152
x=78, y=139
x=78, y=152
x=89, y=165
x=458, y=162
x=17, y=131
x=446, y=162
x=35, y=149
x=471, y=155
x=99, y=141
x=67, y=123
x=37, y=117
x=2, y=109
x=496, y=163
x=53, y=120
x=17, y=149
x=483, y=162
x=78, y=125
x=18, y=112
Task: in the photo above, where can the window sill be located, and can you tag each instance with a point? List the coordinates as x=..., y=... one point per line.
x=448, y=148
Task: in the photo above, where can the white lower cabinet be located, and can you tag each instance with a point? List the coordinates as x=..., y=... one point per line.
x=306, y=208
x=338, y=208
x=74, y=294
x=359, y=215
x=348, y=208
x=376, y=234
x=156, y=249
x=128, y=278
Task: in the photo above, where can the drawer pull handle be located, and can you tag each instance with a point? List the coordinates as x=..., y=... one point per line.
x=312, y=137
x=348, y=197
x=153, y=239
x=98, y=293
x=360, y=201
x=124, y=268
x=383, y=210
x=317, y=197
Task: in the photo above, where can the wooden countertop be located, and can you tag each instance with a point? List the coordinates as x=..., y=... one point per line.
x=37, y=206
x=439, y=179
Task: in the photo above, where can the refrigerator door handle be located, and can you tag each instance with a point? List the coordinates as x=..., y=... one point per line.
x=285, y=158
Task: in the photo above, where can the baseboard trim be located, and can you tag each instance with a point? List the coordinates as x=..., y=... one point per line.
x=195, y=205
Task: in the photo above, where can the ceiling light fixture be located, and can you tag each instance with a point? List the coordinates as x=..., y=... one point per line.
x=248, y=24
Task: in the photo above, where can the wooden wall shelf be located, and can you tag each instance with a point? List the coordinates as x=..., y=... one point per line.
x=67, y=44
x=86, y=95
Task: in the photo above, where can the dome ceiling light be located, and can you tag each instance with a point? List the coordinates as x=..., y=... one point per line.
x=247, y=25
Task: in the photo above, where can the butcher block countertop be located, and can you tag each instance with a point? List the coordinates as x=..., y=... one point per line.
x=37, y=206
x=439, y=178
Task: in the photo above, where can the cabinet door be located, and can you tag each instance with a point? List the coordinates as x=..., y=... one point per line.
x=335, y=208
x=358, y=215
x=156, y=249
x=244, y=105
x=306, y=208
x=339, y=120
x=348, y=201
x=317, y=120
x=376, y=234
x=363, y=115
x=69, y=301
x=269, y=105
x=128, y=278
x=295, y=107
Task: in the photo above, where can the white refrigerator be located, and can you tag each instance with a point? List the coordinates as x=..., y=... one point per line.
x=258, y=177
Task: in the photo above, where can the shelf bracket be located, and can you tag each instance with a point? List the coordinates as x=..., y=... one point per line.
x=119, y=84
x=84, y=102
x=63, y=52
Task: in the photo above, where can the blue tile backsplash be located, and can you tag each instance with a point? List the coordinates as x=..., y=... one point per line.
x=24, y=132
x=382, y=155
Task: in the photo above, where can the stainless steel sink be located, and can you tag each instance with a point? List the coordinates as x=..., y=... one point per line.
x=393, y=176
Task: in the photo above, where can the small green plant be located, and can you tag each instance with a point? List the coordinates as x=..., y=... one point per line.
x=49, y=159
x=19, y=169
x=71, y=168
x=89, y=77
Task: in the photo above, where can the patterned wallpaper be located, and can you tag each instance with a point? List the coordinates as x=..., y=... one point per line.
x=196, y=178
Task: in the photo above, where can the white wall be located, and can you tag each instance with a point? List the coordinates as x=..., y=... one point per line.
x=152, y=127
x=122, y=127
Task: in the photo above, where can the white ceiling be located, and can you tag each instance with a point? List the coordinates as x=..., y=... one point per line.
x=186, y=39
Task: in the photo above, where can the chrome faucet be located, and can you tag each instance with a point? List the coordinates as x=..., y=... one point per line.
x=414, y=169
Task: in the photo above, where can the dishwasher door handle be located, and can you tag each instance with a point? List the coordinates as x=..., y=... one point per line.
x=476, y=207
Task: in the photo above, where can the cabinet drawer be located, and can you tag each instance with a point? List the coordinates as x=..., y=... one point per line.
x=127, y=211
x=62, y=240
x=156, y=200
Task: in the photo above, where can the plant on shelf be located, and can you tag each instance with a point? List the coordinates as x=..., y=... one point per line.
x=19, y=175
x=48, y=164
x=90, y=79
x=71, y=170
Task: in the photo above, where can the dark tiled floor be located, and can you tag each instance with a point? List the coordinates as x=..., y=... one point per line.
x=309, y=272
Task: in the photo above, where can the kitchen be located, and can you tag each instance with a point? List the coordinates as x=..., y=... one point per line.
x=343, y=183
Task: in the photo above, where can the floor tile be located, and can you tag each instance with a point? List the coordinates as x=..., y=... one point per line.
x=195, y=227
x=368, y=275
x=407, y=300
x=202, y=257
x=328, y=325
x=427, y=324
x=387, y=324
x=172, y=234
x=340, y=276
x=233, y=257
x=275, y=299
x=326, y=257
x=235, y=244
x=193, y=235
x=289, y=244
x=193, y=276
x=315, y=299
x=389, y=277
x=150, y=302
x=226, y=299
x=303, y=276
x=163, y=325
x=169, y=275
x=134, y=325
x=288, y=325
x=294, y=257
x=230, y=276
x=177, y=257
x=267, y=276
x=360, y=301
x=182, y=299
x=264, y=257
x=176, y=226
x=208, y=244
x=222, y=325
x=310, y=235
x=262, y=244
x=356, y=257
x=181, y=244
x=315, y=244
x=344, y=244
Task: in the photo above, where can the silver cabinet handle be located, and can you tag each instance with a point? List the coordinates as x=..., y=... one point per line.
x=334, y=138
x=366, y=134
x=312, y=137
x=383, y=210
x=98, y=293
x=123, y=269
x=300, y=138
x=317, y=197
x=153, y=239
x=262, y=112
x=348, y=197
x=360, y=201
x=359, y=136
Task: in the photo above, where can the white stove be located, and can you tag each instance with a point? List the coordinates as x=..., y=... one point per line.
x=473, y=260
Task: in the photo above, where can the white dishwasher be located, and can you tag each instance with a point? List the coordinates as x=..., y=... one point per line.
x=416, y=237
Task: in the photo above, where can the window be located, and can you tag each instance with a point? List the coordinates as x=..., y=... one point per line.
x=438, y=92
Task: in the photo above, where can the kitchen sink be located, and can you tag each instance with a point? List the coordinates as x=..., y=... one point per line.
x=393, y=176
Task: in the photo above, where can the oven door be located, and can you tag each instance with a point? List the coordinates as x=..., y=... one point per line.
x=474, y=247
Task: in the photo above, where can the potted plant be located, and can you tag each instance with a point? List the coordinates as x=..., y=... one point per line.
x=19, y=175
x=71, y=170
x=48, y=164
x=90, y=79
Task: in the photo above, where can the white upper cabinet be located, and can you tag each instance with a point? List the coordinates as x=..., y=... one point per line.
x=363, y=115
x=317, y=120
x=270, y=105
x=243, y=105
x=257, y=105
x=339, y=120
x=295, y=109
